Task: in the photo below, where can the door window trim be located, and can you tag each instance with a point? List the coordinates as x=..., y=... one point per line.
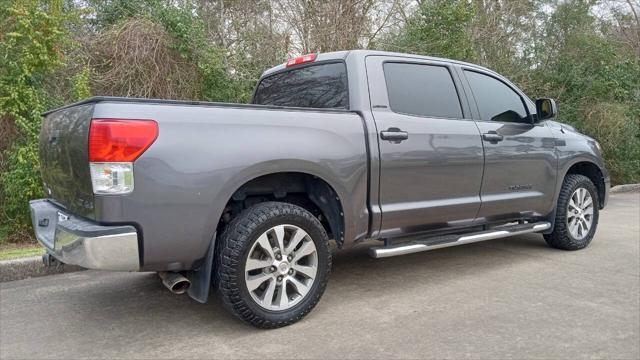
x=377, y=87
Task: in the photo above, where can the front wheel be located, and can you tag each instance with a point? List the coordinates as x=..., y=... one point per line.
x=273, y=264
x=576, y=214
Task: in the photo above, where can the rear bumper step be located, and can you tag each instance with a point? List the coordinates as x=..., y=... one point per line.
x=454, y=240
x=77, y=241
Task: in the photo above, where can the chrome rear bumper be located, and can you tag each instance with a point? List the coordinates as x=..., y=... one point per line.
x=77, y=241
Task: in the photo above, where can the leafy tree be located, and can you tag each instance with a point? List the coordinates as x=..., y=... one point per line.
x=439, y=28
x=32, y=45
x=107, y=13
x=596, y=82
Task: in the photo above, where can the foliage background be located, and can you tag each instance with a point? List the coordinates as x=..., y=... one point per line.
x=583, y=53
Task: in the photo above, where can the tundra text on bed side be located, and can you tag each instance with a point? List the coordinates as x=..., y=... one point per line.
x=418, y=152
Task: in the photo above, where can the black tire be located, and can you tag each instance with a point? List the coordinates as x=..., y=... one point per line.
x=233, y=249
x=561, y=237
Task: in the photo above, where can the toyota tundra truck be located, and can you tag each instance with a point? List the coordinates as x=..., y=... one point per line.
x=248, y=200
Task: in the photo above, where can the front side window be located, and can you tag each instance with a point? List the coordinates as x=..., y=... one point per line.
x=496, y=101
x=423, y=90
x=316, y=86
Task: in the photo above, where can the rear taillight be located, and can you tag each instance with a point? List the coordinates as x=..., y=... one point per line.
x=120, y=140
x=301, y=60
x=113, y=146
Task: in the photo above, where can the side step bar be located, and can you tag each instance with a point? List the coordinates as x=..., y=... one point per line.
x=455, y=240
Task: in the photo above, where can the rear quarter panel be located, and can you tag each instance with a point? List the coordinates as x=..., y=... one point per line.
x=203, y=154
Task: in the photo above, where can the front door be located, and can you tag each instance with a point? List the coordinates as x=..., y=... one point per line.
x=431, y=158
x=520, y=160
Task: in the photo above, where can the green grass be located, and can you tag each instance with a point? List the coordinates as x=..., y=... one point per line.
x=8, y=252
x=17, y=245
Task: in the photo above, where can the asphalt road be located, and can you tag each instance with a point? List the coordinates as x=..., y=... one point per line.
x=511, y=298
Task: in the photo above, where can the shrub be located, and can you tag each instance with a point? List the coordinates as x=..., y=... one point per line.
x=138, y=58
x=615, y=128
x=21, y=183
x=33, y=38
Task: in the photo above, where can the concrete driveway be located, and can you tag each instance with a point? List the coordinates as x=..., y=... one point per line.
x=511, y=298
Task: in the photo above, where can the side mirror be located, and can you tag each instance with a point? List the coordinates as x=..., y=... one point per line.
x=546, y=109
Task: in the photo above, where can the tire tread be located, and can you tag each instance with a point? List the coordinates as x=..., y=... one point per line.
x=235, y=238
x=560, y=237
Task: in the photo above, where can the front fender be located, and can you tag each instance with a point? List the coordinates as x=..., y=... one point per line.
x=573, y=148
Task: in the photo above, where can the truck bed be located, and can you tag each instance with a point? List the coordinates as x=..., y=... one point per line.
x=204, y=152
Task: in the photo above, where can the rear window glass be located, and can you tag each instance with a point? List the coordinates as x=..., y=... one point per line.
x=423, y=90
x=316, y=86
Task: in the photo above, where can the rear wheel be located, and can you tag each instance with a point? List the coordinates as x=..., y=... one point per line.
x=274, y=264
x=576, y=214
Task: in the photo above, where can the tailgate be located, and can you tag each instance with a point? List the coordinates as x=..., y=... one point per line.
x=64, y=160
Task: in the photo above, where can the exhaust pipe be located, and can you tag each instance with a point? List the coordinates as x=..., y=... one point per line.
x=175, y=282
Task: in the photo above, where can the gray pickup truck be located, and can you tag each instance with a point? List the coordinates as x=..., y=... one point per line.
x=420, y=153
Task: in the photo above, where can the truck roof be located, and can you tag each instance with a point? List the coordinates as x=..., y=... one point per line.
x=341, y=55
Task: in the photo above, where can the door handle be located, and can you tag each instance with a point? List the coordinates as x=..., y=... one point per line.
x=492, y=137
x=394, y=135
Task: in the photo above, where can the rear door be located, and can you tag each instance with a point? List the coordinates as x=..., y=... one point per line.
x=430, y=149
x=520, y=160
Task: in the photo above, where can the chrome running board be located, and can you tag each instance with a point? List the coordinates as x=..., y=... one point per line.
x=455, y=240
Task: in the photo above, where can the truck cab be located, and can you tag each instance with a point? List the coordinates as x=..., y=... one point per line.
x=458, y=145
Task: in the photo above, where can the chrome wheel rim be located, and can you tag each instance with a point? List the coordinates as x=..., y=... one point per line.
x=281, y=267
x=580, y=213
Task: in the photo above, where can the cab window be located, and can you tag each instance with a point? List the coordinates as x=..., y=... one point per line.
x=315, y=86
x=422, y=90
x=496, y=101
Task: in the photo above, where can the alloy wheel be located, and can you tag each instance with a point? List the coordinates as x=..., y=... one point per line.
x=580, y=213
x=281, y=267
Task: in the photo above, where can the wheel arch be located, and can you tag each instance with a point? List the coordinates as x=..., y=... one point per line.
x=592, y=171
x=326, y=195
x=305, y=189
x=588, y=167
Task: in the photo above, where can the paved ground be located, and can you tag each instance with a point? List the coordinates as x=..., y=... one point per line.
x=512, y=298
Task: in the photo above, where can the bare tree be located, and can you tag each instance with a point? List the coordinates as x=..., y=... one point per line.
x=319, y=25
x=501, y=30
x=626, y=23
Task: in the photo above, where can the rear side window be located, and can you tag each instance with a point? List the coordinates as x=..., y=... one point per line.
x=496, y=101
x=316, y=86
x=423, y=90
